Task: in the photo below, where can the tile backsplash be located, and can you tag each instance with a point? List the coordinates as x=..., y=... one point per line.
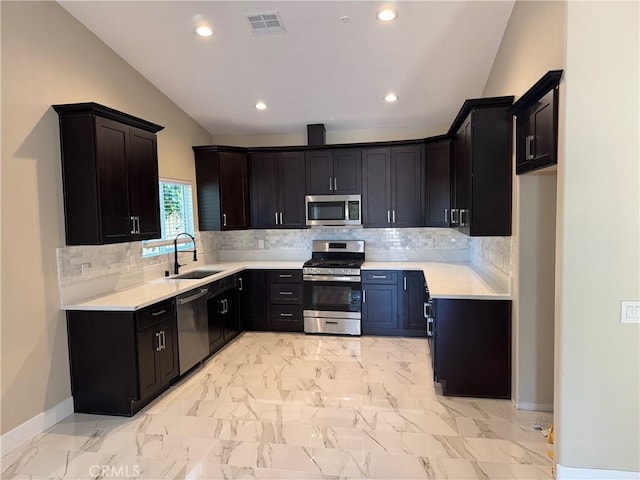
x=89, y=271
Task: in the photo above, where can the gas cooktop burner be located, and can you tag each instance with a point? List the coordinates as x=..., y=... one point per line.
x=335, y=257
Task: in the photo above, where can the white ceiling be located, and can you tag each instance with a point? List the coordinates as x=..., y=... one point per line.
x=434, y=55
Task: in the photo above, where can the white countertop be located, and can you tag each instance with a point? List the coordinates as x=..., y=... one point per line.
x=445, y=280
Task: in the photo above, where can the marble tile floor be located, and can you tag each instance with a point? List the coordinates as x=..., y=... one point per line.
x=290, y=406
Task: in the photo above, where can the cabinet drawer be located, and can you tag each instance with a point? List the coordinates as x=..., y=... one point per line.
x=286, y=276
x=154, y=314
x=286, y=293
x=284, y=313
x=380, y=276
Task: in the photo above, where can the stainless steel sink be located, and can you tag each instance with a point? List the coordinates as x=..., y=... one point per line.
x=195, y=275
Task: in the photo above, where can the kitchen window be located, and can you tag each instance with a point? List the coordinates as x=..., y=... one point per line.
x=176, y=216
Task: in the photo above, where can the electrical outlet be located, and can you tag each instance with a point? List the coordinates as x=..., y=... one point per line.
x=630, y=312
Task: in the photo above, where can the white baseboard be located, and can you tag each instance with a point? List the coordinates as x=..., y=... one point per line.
x=35, y=426
x=535, y=407
x=574, y=473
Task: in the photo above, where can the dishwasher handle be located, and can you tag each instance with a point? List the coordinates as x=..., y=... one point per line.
x=191, y=298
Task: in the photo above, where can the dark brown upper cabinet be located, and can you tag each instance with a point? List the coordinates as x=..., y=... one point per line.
x=277, y=182
x=537, y=124
x=110, y=175
x=223, y=188
x=437, y=158
x=393, y=186
x=334, y=172
x=482, y=173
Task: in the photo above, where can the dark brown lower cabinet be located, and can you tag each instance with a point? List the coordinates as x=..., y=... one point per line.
x=121, y=360
x=472, y=347
x=223, y=311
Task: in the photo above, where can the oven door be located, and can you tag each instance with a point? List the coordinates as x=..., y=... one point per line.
x=332, y=304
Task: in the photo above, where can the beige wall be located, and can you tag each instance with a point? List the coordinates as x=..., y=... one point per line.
x=532, y=45
x=49, y=58
x=598, y=256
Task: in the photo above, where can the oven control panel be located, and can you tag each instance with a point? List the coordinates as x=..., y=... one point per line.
x=331, y=271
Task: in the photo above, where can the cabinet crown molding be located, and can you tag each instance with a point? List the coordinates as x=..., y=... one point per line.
x=548, y=82
x=476, y=103
x=92, y=108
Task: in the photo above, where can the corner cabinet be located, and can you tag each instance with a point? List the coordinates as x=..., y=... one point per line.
x=537, y=124
x=481, y=177
x=222, y=184
x=121, y=360
x=438, y=182
x=277, y=189
x=393, y=186
x=110, y=175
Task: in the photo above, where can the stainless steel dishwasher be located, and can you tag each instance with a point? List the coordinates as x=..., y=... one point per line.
x=193, y=328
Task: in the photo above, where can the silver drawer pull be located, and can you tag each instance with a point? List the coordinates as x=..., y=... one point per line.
x=159, y=312
x=286, y=314
x=378, y=276
x=286, y=293
x=287, y=275
x=331, y=323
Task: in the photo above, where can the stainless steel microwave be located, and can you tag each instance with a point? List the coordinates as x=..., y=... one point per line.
x=333, y=210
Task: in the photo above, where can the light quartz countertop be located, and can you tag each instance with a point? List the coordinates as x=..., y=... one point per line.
x=444, y=280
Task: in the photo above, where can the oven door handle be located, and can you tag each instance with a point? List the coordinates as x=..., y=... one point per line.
x=331, y=278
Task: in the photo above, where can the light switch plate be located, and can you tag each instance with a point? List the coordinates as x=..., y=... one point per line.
x=630, y=312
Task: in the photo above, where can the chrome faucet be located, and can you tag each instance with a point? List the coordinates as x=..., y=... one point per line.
x=176, y=268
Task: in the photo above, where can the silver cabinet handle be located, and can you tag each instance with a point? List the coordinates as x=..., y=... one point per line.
x=286, y=314
x=335, y=183
x=159, y=347
x=330, y=186
x=424, y=314
x=528, y=143
x=133, y=224
x=364, y=296
x=240, y=286
x=286, y=293
x=462, y=211
x=224, y=219
x=394, y=216
x=281, y=222
x=285, y=275
x=164, y=340
x=378, y=276
x=454, y=221
x=226, y=305
x=138, y=222
x=388, y=216
x=430, y=327
x=446, y=215
x=276, y=218
x=405, y=284
x=159, y=312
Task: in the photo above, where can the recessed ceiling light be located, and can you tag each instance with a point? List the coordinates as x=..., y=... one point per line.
x=261, y=106
x=203, y=30
x=387, y=15
x=390, y=98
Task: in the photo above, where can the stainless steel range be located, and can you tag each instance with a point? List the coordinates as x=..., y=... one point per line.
x=332, y=287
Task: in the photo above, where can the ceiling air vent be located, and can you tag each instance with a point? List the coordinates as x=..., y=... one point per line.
x=266, y=23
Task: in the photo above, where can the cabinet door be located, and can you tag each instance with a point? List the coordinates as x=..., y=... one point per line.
x=168, y=364
x=254, y=300
x=215, y=309
x=142, y=176
x=265, y=201
x=536, y=134
x=234, y=191
x=473, y=347
x=438, y=183
x=208, y=190
x=149, y=377
x=379, y=309
x=292, y=189
x=463, y=152
x=112, y=149
x=376, y=187
x=413, y=322
x=319, y=172
x=347, y=172
x=231, y=319
x=407, y=186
